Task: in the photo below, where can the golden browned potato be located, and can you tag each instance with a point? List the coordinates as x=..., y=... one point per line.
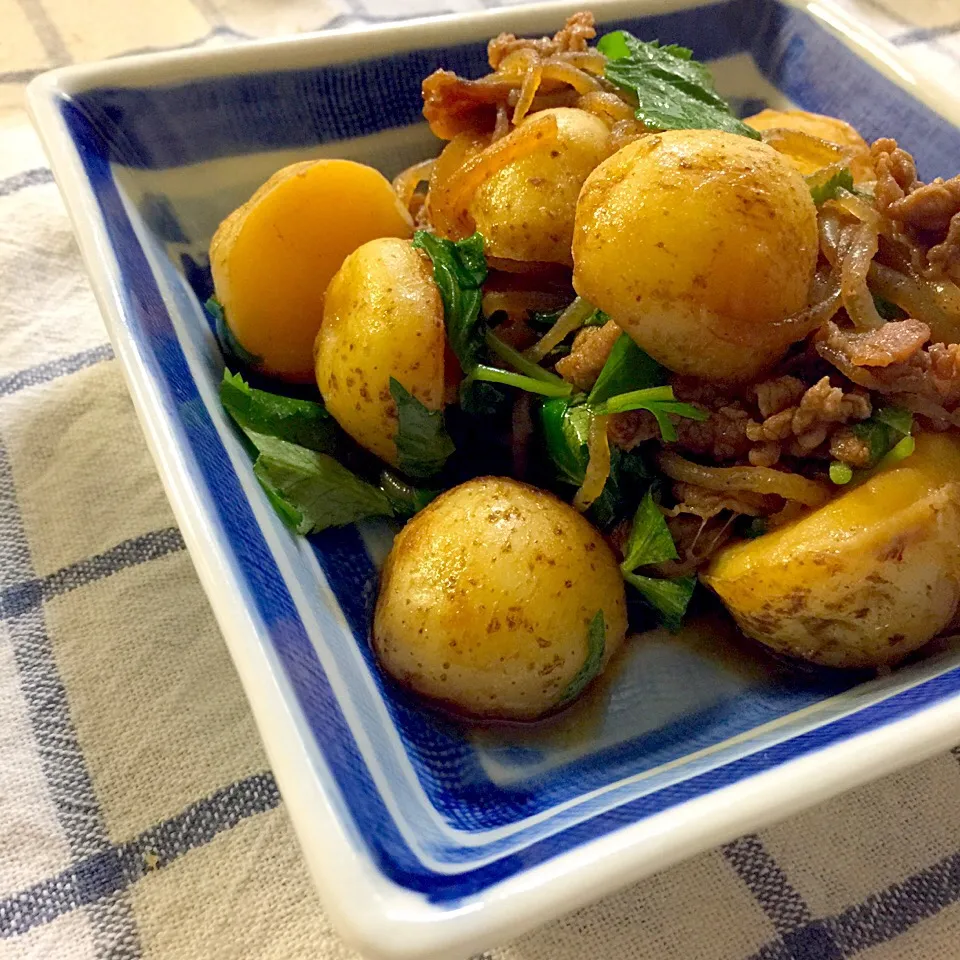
x=525, y=210
x=486, y=600
x=273, y=257
x=862, y=581
x=698, y=243
x=831, y=129
x=383, y=318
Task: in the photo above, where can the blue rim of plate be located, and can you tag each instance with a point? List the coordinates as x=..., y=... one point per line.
x=786, y=45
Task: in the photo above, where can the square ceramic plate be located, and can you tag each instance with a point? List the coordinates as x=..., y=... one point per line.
x=428, y=838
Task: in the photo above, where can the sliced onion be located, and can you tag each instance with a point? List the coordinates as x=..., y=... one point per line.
x=592, y=61
x=766, y=480
x=571, y=319
x=607, y=106
x=531, y=83
x=598, y=469
x=406, y=182
x=828, y=225
x=937, y=307
x=811, y=154
x=861, y=244
x=564, y=72
x=942, y=418
x=857, y=207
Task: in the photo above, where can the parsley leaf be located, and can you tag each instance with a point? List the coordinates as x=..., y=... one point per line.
x=299, y=421
x=405, y=499
x=841, y=180
x=883, y=430
x=651, y=542
x=423, y=443
x=670, y=598
x=229, y=344
x=660, y=401
x=311, y=490
x=596, y=642
x=459, y=269
x=673, y=91
x=650, y=538
x=566, y=430
x=627, y=368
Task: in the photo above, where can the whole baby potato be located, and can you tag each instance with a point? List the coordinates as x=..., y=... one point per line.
x=487, y=596
x=698, y=243
x=272, y=258
x=831, y=129
x=382, y=318
x=863, y=580
x=525, y=210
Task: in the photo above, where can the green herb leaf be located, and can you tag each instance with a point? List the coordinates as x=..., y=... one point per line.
x=459, y=269
x=566, y=430
x=887, y=308
x=822, y=192
x=299, y=421
x=899, y=419
x=597, y=319
x=673, y=91
x=670, y=598
x=229, y=344
x=627, y=368
x=883, y=429
x=596, y=642
x=650, y=538
x=660, y=401
x=840, y=473
x=423, y=443
x=310, y=490
x=405, y=499
x=545, y=389
x=522, y=365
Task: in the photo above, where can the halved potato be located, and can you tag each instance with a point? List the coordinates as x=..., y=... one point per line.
x=273, y=257
x=831, y=129
x=862, y=581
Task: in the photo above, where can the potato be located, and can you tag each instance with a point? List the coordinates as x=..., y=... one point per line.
x=486, y=599
x=831, y=129
x=525, y=210
x=273, y=257
x=862, y=581
x=698, y=243
x=383, y=318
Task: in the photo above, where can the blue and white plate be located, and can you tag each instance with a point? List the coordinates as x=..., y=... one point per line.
x=428, y=838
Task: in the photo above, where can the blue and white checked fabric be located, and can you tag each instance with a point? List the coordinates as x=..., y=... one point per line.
x=138, y=817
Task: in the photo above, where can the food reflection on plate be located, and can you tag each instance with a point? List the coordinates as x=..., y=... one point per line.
x=611, y=348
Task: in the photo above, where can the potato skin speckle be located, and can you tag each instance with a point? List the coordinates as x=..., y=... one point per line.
x=525, y=210
x=862, y=581
x=697, y=243
x=382, y=318
x=464, y=621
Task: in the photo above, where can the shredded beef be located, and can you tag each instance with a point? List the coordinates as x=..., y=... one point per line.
x=895, y=169
x=850, y=449
x=802, y=428
x=894, y=342
x=778, y=394
x=591, y=347
x=926, y=217
x=571, y=38
x=928, y=206
x=931, y=374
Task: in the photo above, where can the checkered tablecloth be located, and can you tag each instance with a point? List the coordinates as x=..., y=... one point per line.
x=138, y=816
